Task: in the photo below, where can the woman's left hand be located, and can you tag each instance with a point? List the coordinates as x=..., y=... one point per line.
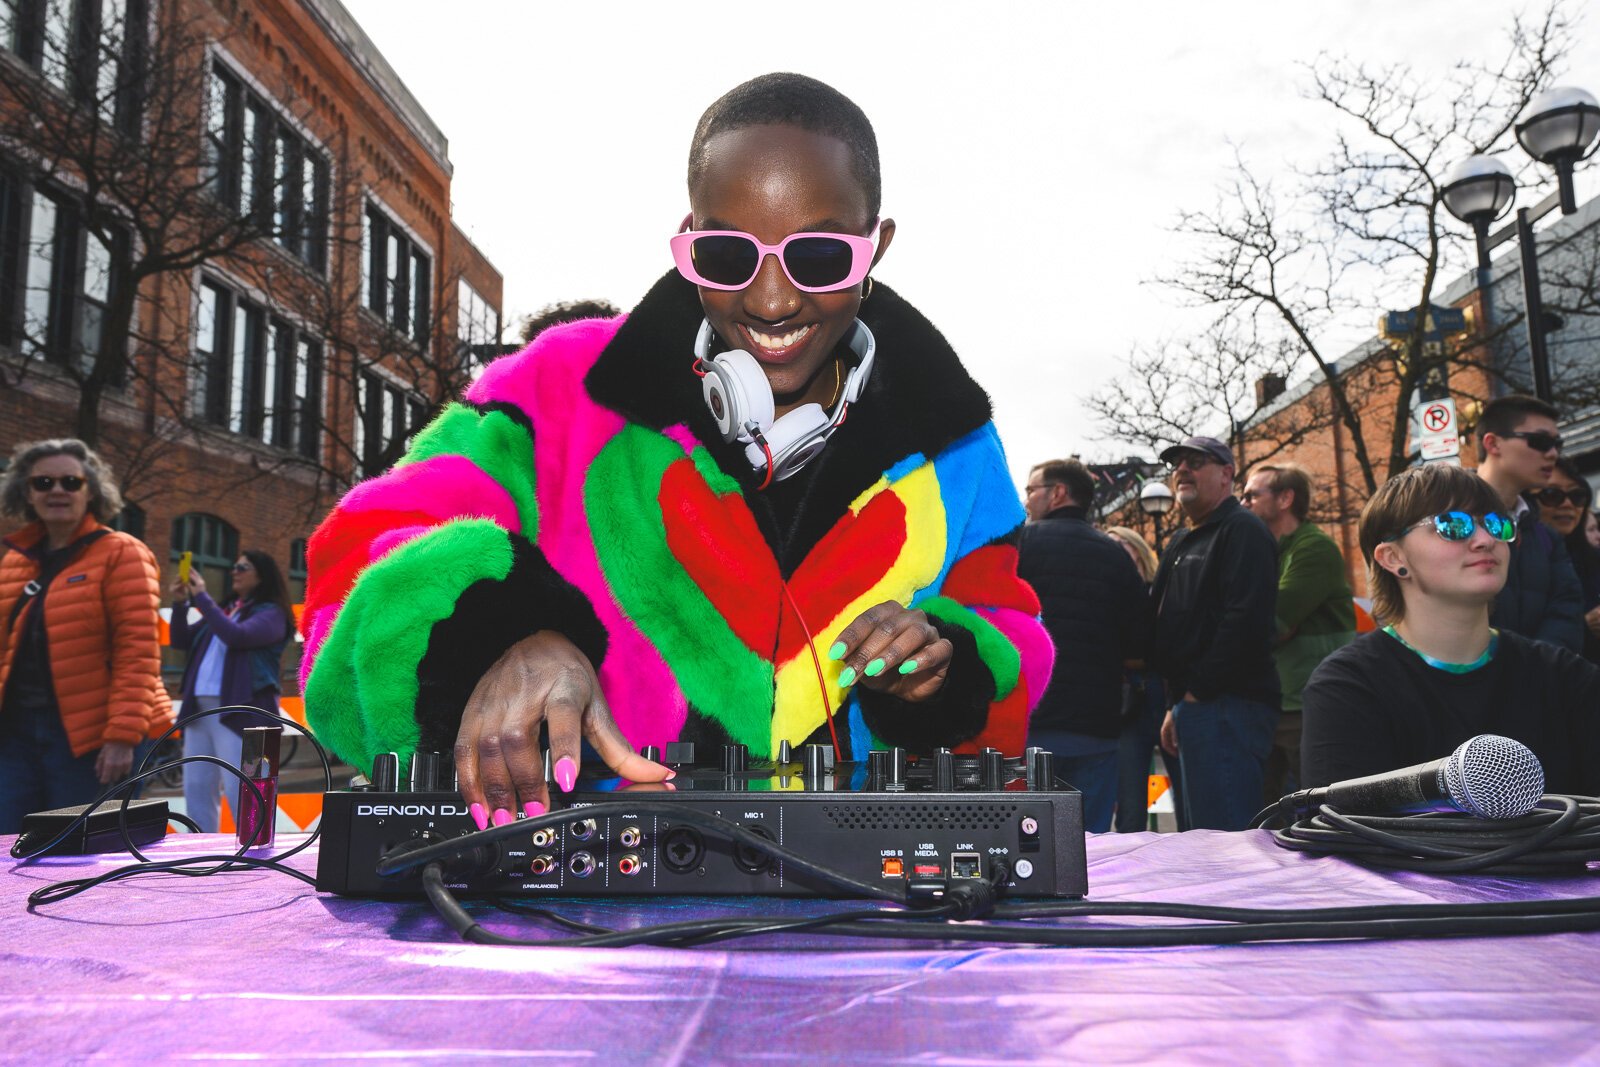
x=114, y=762
x=895, y=650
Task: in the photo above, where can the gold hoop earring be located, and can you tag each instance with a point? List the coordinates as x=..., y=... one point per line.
x=865, y=293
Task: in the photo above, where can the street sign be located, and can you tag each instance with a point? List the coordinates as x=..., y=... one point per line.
x=1441, y=322
x=1438, y=436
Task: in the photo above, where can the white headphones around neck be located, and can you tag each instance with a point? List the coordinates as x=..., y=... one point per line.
x=740, y=400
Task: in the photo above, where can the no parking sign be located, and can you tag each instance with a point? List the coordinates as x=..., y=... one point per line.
x=1437, y=434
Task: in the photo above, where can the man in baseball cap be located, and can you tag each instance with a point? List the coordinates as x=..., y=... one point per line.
x=1216, y=593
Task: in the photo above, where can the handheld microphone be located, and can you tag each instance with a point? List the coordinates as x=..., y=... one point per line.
x=1489, y=776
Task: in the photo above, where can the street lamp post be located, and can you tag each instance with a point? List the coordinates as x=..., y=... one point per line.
x=1155, y=500
x=1559, y=130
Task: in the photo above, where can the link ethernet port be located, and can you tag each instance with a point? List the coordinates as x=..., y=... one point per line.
x=965, y=865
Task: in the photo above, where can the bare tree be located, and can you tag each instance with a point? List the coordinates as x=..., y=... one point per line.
x=111, y=116
x=1365, y=226
x=1217, y=382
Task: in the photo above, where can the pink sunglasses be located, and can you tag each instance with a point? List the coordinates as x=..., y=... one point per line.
x=814, y=262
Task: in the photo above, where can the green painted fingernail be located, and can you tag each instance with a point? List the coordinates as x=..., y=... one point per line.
x=908, y=666
x=875, y=668
x=837, y=651
x=847, y=677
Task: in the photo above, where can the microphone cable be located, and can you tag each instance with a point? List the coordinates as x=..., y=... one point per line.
x=1559, y=836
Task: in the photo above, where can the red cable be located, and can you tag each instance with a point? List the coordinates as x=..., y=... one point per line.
x=822, y=685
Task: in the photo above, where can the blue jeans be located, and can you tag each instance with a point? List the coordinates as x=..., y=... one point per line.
x=38, y=771
x=1222, y=747
x=1090, y=764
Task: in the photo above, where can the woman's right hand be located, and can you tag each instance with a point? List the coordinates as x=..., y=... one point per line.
x=540, y=679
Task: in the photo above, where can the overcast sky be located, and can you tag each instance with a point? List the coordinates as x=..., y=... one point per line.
x=1034, y=156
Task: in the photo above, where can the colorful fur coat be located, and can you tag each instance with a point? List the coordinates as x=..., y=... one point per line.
x=582, y=487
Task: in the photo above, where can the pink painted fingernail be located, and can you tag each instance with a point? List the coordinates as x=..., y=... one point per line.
x=670, y=776
x=480, y=818
x=501, y=816
x=532, y=808
x=566, y=773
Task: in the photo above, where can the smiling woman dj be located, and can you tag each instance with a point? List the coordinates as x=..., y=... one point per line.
x=767, y=505
x=1436, y=542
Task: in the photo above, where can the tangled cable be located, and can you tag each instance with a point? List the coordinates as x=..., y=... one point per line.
x=1559, y=836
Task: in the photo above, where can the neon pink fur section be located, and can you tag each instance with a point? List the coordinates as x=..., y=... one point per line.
x=546, y=380
x=445, y=487
x=1033, y=643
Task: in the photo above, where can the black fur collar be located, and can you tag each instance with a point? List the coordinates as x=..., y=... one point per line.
x=919, y=399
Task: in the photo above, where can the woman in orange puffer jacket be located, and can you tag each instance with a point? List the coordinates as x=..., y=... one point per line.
x=80, y=658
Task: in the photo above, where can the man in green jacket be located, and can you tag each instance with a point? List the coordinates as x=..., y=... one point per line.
x=1315, y=614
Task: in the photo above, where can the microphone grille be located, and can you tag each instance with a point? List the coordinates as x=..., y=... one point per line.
x=1494, y=777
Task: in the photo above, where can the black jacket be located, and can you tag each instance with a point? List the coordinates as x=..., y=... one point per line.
x=1375, y=706
x=1542, y=598
x=1216, y=594
x=1097, y=610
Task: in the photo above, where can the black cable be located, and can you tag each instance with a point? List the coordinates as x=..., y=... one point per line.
x=1561, y=834
x=222, y=863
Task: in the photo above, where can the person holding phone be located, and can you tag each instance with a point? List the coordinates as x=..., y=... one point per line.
x=768, y=505
x=235, y=655
x=80, y=653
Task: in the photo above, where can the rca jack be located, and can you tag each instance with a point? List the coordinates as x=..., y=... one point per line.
x=543, y=863
x=630, y=837
x=629, y=865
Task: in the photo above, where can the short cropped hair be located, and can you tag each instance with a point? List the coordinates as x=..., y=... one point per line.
x=1287, y=476
x=802, y=102
x=105, y=502
x=1072, y=474
x=1408, y=498
x=1503, y=415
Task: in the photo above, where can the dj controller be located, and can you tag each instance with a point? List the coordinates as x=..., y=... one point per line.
x=935, y=818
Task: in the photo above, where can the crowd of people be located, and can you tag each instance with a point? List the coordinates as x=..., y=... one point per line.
x=1246, y=647
x=770, y=507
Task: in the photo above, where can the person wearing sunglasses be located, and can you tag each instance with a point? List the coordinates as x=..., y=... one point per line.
x=1517, y=451
x=80, y=653
x=235, y=657
x=767, y=506
x=1438, y=544
x=1564, y=504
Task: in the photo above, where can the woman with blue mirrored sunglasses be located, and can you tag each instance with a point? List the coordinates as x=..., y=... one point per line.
x=1437, y=672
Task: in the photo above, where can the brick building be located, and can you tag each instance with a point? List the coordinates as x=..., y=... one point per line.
x=337, y=310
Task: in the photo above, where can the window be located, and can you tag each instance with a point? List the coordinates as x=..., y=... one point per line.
x=215, y=545
x=130, y=520
x=385, y=413
x=88, y=49
x=398, y=279
x=297, y=571
x=258, y=164
x=256, y=373
x=477, y=326
x=68, y=275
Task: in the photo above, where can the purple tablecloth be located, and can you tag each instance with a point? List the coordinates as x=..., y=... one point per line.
x=258, y=965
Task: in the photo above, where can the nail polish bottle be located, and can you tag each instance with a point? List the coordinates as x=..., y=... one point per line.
x=258, y=760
